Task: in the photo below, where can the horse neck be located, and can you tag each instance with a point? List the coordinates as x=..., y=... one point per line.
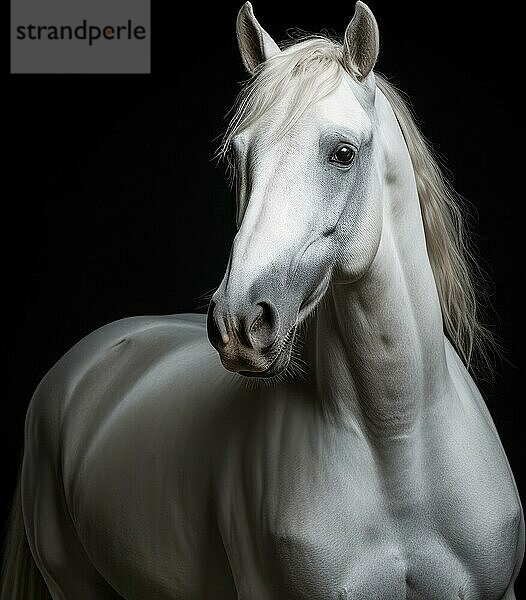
x=376, y=346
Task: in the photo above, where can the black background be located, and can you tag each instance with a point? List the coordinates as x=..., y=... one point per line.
x=114, y=206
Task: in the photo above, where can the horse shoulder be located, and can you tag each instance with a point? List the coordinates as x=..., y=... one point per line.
x=488, y=503
x=119, y=423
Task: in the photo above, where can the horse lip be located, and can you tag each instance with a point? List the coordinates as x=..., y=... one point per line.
x=288, y=339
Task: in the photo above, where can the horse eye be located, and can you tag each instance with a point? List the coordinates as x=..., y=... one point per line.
x=344, y=155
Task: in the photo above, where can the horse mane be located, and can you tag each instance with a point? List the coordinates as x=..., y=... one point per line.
x=460, y=282
x=312, y=68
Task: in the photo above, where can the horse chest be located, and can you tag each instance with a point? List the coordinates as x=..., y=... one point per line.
x=335, y=521
x=346, y=548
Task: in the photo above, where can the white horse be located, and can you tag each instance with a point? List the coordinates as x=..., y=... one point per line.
x=152, y=472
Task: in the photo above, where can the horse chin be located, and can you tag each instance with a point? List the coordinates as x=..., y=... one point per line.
x=280, y=363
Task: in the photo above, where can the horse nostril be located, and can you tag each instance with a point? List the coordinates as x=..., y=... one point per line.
x=255, y=328
x=217, y=333
x=264, y=326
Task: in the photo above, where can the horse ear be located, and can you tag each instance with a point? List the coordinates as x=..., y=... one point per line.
x=255, y=44
x=361, y=42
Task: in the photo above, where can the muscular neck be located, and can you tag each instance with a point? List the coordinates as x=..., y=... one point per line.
x=379, y=341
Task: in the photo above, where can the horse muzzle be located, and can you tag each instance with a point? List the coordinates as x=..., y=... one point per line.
x=250, y=340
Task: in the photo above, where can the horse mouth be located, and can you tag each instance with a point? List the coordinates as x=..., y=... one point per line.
x=280, y=358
